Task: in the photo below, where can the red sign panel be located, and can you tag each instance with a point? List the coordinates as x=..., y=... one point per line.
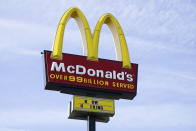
x=78, y=76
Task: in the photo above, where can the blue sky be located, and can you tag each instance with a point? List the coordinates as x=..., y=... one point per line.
x=161, y=38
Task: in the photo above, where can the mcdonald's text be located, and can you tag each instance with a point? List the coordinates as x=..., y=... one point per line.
x=81, y=70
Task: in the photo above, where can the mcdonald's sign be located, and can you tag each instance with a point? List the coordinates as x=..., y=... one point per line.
x=89, y=75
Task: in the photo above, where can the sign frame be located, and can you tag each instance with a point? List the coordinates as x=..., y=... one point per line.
x=84, y=91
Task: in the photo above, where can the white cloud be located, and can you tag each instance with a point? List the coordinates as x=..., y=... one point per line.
x=159, y=115
x=12, y=129
x=28, y=118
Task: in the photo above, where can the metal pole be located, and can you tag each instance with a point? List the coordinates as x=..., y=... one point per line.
x=91, y=123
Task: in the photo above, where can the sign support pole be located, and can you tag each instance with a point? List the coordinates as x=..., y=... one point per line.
x=91, y=125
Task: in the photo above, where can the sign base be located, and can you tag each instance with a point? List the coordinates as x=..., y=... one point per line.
x=78, y=115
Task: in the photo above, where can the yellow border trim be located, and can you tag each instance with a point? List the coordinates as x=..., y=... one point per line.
x=91, y=43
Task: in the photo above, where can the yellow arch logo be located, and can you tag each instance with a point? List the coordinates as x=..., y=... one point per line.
x=91, y=42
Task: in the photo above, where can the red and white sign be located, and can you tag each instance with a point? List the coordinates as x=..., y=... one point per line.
x=104, y=78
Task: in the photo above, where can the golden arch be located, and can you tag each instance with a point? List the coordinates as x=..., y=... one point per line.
x=90, y=43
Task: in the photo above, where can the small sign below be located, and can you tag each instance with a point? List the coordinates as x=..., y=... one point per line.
x=90, y=104
x=81, y=107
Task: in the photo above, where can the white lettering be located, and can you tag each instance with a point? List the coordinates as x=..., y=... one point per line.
x=91, y=72
x=69, y=69
x=80, y=70
x=99, y=72
x=114, y=75
x=129, y=77
x=58, y=68
x=108, y=75
x=120, y=76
